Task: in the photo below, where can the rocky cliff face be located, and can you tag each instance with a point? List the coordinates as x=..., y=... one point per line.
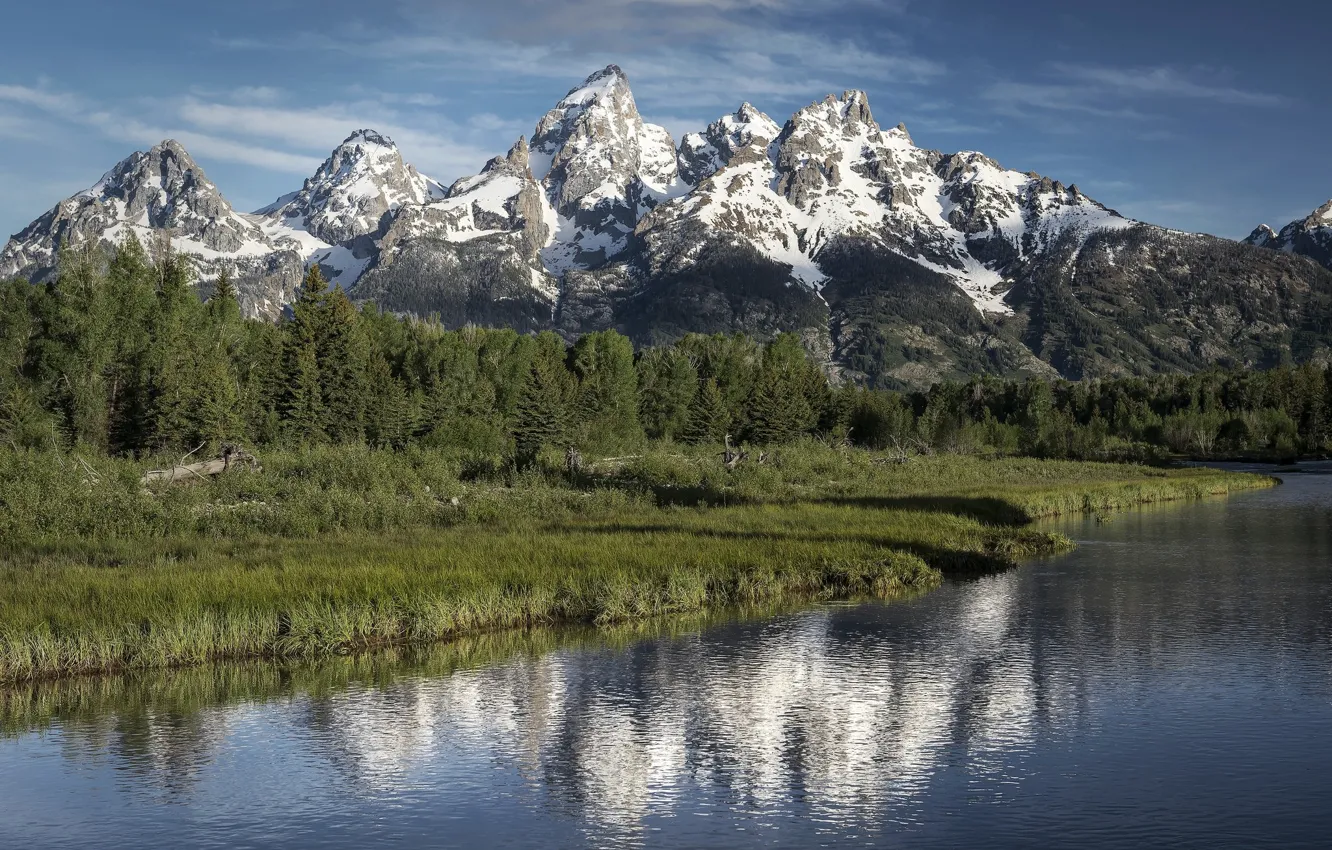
x=601, y=167
x=901, y=265
x=1309, y=237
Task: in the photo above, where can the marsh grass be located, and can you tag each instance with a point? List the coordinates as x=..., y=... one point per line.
x=140, y=696
x=336, y=550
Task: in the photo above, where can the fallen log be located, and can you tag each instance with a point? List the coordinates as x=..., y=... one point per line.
x=231, y=458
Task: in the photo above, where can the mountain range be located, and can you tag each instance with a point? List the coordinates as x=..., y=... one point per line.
x=897, y=264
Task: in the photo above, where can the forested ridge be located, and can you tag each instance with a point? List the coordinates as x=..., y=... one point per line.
x=121, y=355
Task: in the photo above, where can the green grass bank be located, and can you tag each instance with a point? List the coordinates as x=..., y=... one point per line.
x=335, y=550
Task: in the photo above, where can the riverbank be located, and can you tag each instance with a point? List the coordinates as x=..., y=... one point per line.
x=339, y=550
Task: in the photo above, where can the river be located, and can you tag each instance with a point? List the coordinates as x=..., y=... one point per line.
x=1169, y=684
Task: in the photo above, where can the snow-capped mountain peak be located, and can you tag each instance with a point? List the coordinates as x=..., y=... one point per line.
x=832, y=175
x=601, y=168
x=1310, y=236
x=160, y=190
x=1263, y=236
x=703, y=154
x=363, y=179
x=590, y=142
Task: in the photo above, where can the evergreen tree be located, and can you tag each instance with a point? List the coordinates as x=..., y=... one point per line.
x=224, y=306
x=173, y=358
x=216, y=396
x=607, y=394
x=709, y=415
x=1036, y=416
x=667, y=385
x=542, y=414
x=301, y=405
x=773, y=412
x=343, y=355
x=734, y=362
x=779, y=408
x=392, y=416
x=132, y=294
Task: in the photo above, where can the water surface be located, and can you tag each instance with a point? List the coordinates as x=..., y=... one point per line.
x=1167, y=685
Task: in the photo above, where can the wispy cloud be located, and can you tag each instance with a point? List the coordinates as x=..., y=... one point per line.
x=1164, y=82
x=252, y=127
x=70, y=108
x=1116, y=93
x=679, y=54
x=60, y=103
x=435, y=144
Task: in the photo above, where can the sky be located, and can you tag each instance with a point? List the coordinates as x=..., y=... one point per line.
x=1202, y=115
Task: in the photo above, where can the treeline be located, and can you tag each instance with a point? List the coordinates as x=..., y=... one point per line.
x=121, y=355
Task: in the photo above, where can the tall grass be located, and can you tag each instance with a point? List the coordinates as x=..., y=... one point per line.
x=332, y=550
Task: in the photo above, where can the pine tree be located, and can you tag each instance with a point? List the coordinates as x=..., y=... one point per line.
x=771, y=410
x=607, y=395
x=393, y=413
x=173, y=358
x=782, y=404
x=667, y=386
x=131, y=291
x=542, y=414
x=215, y=397
x=301, y=405
x=224, y=306
x=709, y=416
x=343, y=354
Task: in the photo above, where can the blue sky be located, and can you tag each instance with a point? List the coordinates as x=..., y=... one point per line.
x=1209, y=116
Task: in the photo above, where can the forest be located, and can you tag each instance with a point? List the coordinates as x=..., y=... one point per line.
x=121, y=356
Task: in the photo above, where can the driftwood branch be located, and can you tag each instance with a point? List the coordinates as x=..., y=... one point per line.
x=231, y=458
x=731, y=458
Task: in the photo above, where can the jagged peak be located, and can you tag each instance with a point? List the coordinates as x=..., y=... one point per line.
x=605, y=93
x=130, y=173
x=517, y=159
x=1262, y=235
x=1323, y=215
x=749, y=113
x=752, y=118
x=855, y=104
x=170, y=146
x=702, y=154
x=599, y=85
x=518, y=153
x=850, y=111
x=368, y=137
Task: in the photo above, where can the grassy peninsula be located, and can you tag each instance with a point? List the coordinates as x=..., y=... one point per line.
x=333, y=549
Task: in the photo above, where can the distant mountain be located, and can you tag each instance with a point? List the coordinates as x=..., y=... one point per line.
x=334, y=220
x=898, y=264
x=162, y=191
x=1310, y=237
